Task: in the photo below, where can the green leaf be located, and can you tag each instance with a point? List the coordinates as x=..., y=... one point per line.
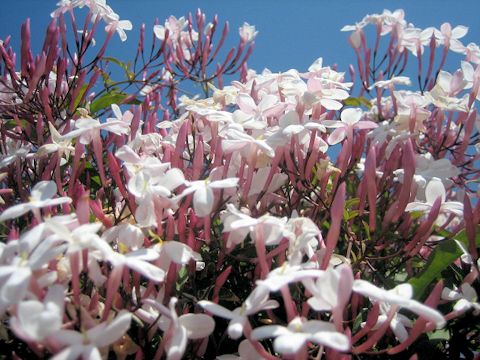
x=125, y=66
x=80, y=95
x=442, y=257
x=11, y=124
x=360, y=101
x=107, y=100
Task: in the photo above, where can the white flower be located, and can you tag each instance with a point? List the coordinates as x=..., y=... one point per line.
x=203, y=195
x=287, y=274
x=36, y=320
x=85, y=344
x=290, y=339
x=466, y=298
x=137, y=260
x=179, y=329
x=400, y=80
x=401, y=297
x=350, y=119
x=41, y=196
x=15, y=150
x=433, y=191
x=256, y=302
x=247, y=32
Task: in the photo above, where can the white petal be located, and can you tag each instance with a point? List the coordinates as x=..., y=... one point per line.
x=246, y=103
x=225, y=183
x=44, y=190
x=15, y=211
x=434, y=190
x=332, y=339
x=351, y=116
x=216, y=309
x=116, y=111
x=179, y=253
x=427, y=312
x=198, y=325
x=269, y=331
x=178, y=344
x=203, y=201
x=459, y=31
x=290, y=343
x=148, y=270
x=103, y=336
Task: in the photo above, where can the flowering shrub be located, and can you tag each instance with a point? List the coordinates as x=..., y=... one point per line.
x=142, y=223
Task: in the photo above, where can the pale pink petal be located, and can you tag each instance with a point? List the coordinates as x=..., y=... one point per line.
x=235, y=327
x=399, y=330
x=331, y=104
x=365, y=125
x=337, y=136
x=246, y=103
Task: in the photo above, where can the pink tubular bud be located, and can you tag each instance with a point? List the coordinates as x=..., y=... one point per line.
x=221, y=279
x=26, y=54
x=470, y=227
x=222, y=39
x=371, y=181
x=336, y=218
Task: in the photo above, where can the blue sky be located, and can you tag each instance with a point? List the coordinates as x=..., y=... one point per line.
x=292, y=34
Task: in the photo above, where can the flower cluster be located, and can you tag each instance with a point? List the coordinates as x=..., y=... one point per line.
x=276, y=216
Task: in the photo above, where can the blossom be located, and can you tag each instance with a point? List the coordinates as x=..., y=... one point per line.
x=203, y=196
x=253, y=116
x=114, y=23
x=443, y=93
x=331, y=289
x=400, y=297
x=85, y=344
x=450, y=37
x=15, y=150
x=19, y=260
x=255, y=302
x=61, y=144
x=290, y=339
x=287, y=274
x=400, y=80
x=434, y=190
x=179, y=329
x=81, y=237
x=35, y=320
x=247, y=32
x=248, y=146
x=137, y=260
x=466, y=298
x=41, y=196
x=350, y=119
